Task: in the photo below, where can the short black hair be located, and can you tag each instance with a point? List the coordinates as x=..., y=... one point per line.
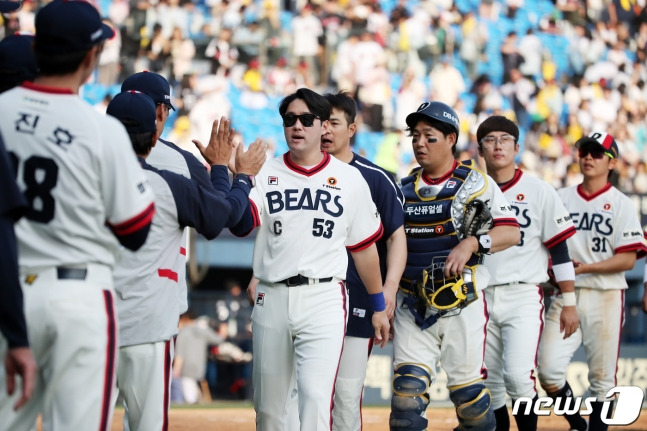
x=344, y=102
x=57, y=64
x=315, y=102
x=142, y=142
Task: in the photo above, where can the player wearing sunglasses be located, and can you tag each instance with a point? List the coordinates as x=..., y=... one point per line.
x=309, y=208
x=609, y=238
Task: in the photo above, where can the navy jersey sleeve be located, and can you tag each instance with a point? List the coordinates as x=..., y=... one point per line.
x=385, y=193
x=12, y=206
x=198, y=171
x=207, y=210
x=237, y=195
x=247, y=222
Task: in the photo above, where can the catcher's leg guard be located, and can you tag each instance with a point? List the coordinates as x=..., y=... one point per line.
x=473, y=404
x=410, y=399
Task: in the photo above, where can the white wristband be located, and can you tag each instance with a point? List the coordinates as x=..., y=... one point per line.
x=564, y=272
x=568, y=299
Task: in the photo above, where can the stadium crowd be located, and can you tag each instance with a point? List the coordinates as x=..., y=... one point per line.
x=560, y=69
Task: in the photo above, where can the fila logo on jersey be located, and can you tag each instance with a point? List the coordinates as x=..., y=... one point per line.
x=272, y=181
x=451, y=184
x=295, y=199
x=260, y=298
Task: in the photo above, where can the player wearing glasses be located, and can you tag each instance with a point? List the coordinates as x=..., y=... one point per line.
x=514, y=297
x=309, y=209
x=608, y=241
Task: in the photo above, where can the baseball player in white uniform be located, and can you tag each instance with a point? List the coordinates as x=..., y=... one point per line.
x=514, y=296
x=87, y=194
x=441, y=316
x=608, y=240
x=146, y=282
x=310, y=208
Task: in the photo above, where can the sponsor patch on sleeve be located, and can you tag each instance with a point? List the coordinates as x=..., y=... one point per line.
x=359, y=312
x=630, y=234
x=561, y=221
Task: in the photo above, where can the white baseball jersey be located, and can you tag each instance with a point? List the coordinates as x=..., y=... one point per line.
x=147, y=281
x=78, y=170
x=607, y=223
x=514, y=299
x=308, y=218
x=544, y=222
x=168, y=156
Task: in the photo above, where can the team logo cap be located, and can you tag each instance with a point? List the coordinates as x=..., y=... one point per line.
x=17, y=60
x=434, y=111
x=603, y=140
x=70, y=26
x=151, y=83
x=9, y=6
x=135, y=110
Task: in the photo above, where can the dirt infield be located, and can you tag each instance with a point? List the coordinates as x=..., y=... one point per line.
x=375, y=419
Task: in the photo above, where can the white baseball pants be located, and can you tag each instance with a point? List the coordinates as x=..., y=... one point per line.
x=601, y=314
x=72, y=326
x=300, y=326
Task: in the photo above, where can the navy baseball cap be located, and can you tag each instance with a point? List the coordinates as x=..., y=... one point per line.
x=70, y=26
x=434, y=111
x=151, y=83
x=603, y=140
x=17, y=60
x=9, y=6
x=135, y=110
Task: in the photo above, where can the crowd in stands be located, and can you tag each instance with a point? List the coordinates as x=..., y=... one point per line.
x=560, y=69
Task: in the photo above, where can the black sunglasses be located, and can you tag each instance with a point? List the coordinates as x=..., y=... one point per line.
x=596, y=153
x=307, y=120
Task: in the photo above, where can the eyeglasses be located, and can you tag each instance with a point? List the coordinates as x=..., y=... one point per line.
x=490, y=141
x=307, y=120
x=596, y=153
x=167, y=107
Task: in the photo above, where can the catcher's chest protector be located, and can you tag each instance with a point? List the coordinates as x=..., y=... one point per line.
x=433, y=215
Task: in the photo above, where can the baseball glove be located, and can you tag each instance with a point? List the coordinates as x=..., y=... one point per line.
x=477, y=219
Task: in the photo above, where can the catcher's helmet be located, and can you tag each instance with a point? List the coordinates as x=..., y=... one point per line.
x=435, y=111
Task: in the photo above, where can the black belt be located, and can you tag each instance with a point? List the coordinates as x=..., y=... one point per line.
x=63, y=273
x=298, y=280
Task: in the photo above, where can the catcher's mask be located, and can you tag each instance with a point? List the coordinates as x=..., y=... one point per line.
x=446, y=293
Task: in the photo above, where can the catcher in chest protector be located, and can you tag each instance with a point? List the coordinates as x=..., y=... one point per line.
x=454, y=215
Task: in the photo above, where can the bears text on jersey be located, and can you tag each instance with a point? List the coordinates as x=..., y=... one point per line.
x=295, y=199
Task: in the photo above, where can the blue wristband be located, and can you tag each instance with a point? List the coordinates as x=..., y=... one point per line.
x=377, y=299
